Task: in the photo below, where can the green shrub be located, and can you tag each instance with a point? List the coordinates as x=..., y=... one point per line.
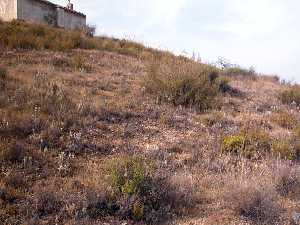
x=139, y=192
x=129, y=176
x=250, y=143
x=233, y=144
x=183, y=83
x=291, y=96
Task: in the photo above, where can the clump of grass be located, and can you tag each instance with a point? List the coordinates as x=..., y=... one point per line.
x=252, y=143
x=183, y=83
x=285, y=119
x=291, y=96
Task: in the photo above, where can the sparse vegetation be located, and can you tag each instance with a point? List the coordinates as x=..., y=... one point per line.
x=285, y=119
x=255, y=203
x=291, y=96
x=106, y=148
x=20, y=35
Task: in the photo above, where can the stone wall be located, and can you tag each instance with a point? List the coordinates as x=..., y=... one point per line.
x=37, y=12
x=42, y=12
x=8, y=10
x=69, y=20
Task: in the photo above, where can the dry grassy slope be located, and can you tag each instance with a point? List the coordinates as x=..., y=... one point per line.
x=175, y=136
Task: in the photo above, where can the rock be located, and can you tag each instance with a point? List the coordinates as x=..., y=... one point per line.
x=296, y=218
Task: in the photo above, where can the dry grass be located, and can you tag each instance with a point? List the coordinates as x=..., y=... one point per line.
x=61, y=125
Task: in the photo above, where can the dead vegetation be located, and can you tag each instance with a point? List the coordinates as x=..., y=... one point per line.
x=95, y=137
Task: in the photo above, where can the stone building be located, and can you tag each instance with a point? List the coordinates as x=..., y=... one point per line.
x=42, y=12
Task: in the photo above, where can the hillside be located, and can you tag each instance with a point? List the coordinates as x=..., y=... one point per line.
x=107, y=131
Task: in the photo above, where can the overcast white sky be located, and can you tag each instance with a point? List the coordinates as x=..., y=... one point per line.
x=262, y=33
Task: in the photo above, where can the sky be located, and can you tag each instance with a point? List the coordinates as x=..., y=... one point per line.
x=260, y=33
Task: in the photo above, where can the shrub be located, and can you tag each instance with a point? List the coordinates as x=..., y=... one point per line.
x=138, y=192
x=254, y=203
x=129, y=176
x=13, y=153
x=80, y=64
x=288, y=183
x=3, y=73
x=47, y=204
x=250, y=143
x=284, y=149
x=233, y=144
x=291, y=96
x=239, y=71
x=285, y=119
x=183, y=83
x=3, y=76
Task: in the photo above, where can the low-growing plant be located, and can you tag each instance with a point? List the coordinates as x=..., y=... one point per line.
x=250, y=143
x=285, y=119
x=283, y=149
x=3, y=73
x=239, y=71
x=13, y=153
x=233, y=144
x=254, y=203
x=291, y=95
x=80, y=64
x=47, y=203
x=138, y=192
x=129, y=176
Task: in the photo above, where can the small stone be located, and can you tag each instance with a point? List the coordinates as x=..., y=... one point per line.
x=296, y=218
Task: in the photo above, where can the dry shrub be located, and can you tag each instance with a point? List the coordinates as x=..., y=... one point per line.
x=61, y=62
x=80, y=64
x=254, y=202
x=15, y=180
x=3, y=73
x=215, y=118
x=3, y=78
x=291, y=95
x=47, y=204
x=13, y=153
x=284, y=149
x=184, y=83
x=288, y=182
x=285, y=119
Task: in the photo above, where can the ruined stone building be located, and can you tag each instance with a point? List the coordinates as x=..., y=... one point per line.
x=42, y=12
